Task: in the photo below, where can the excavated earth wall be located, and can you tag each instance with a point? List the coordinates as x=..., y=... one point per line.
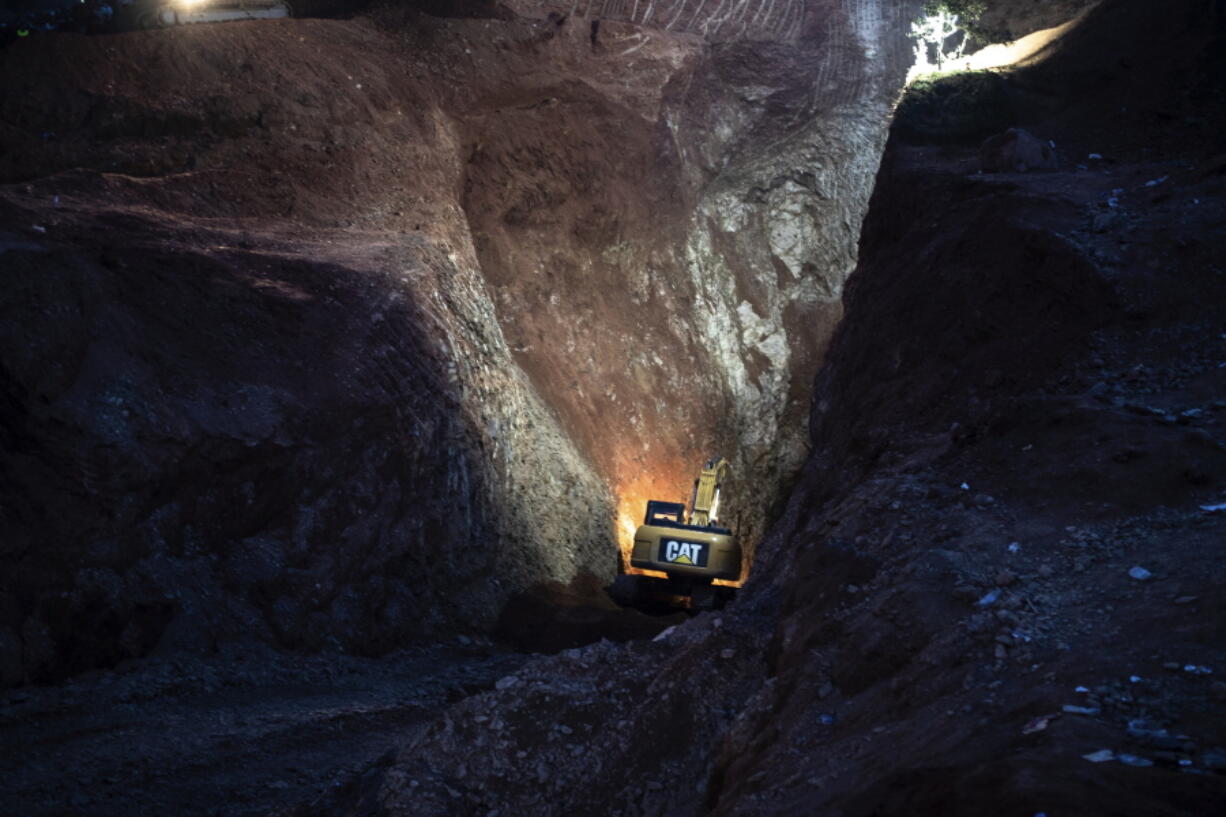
x=327, y=332
x=993, y=589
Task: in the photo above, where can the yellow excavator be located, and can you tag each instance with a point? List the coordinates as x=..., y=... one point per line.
x=692, y=550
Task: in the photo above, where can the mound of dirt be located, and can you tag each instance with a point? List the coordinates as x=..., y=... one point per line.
x=963, y=628
x=1137, y=80
x=553, y=617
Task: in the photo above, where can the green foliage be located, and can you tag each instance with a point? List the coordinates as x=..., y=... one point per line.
x=968, y=11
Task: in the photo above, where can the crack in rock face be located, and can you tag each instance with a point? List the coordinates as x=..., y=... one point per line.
x=345, y=332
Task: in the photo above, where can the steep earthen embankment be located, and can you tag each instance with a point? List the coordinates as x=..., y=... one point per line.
x=994, y=589
x=343, y=332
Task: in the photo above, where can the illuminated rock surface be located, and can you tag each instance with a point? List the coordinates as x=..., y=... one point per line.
x=343, y=334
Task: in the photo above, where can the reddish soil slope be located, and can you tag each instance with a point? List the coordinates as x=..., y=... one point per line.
x=537, y=274
x=996, y=588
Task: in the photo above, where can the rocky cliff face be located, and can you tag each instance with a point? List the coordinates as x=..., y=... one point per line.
x=993, y=588
x=342, y=332
x=681, y=221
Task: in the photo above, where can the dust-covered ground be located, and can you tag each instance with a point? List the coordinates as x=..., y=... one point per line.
x=239, y=733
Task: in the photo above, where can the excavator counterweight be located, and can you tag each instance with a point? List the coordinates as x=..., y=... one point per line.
x=693, y=549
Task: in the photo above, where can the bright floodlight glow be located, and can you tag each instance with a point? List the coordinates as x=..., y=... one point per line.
x=1027, y=50
x=632, y=500
x=930, y=34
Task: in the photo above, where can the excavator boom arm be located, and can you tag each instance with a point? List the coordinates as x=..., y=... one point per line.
x=704, y=505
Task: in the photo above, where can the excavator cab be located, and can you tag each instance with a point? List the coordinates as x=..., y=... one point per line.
x=664, y=513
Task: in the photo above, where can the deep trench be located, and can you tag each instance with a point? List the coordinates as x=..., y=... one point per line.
x=988, y=584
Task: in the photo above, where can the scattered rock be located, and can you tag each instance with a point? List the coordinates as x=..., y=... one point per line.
x=1039, y=724
x=1134, y=760
x=1015, y=150
x=1102, y=222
